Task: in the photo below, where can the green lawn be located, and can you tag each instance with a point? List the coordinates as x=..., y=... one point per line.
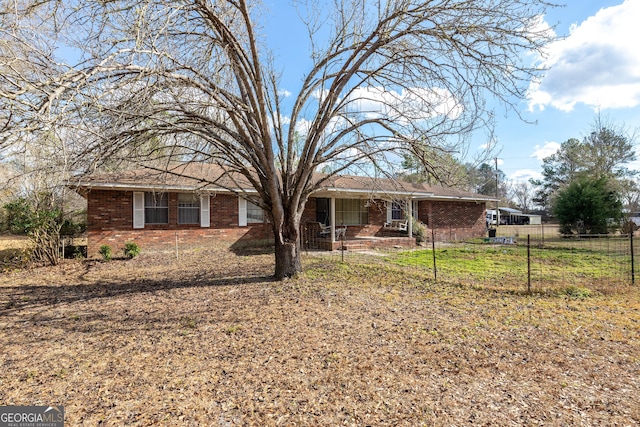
x=507, y=267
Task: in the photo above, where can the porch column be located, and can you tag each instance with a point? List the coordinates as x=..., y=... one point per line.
x=332, y=212
x=409, y=203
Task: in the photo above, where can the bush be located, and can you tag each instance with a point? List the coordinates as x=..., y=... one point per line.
x=41, y=219
x=419, y=230
x=75, y=251
x=72, y=228
x=131, y=250
x=18, y=216
x=105, y=251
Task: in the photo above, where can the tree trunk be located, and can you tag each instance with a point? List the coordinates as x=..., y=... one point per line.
x=287, y=248
x=288, y=262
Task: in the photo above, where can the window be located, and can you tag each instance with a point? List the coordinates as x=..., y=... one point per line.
x=396, y=211
x=156, y=208
x=351, y=212
x=255, y=214
x=188, y=208
x=323, y=214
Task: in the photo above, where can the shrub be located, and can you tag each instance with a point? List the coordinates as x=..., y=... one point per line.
x=72, y=228
x=18, y=216
x=41, y=219
x=75, y=251
x=80, y=252
x=131, y=250
x=105, y=251
x=419, y=230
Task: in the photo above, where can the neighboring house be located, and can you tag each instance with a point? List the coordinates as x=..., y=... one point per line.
x=199, y=204
x=510, y=216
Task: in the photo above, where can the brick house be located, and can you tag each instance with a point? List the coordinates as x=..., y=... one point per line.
x=199, y=205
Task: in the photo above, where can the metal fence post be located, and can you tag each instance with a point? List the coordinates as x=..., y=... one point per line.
x=633, y=264
x=528, y=263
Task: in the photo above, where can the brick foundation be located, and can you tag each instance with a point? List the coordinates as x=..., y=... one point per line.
x=169, y=240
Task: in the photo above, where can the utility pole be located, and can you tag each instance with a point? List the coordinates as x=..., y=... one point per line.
x=497, y=198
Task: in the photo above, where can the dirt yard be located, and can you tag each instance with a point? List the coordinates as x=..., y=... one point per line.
x=210, y=340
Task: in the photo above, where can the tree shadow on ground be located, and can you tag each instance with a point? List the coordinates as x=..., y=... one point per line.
x=247, y=246
x=21, y=297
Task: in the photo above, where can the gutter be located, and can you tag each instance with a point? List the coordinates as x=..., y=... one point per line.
x=158, y=187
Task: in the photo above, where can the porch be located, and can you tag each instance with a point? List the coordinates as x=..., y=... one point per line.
x=360, y=243
x=346, y=239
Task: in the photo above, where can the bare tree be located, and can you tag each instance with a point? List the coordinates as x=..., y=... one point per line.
x=193, y=81
x=630, y=194
x=522, y=194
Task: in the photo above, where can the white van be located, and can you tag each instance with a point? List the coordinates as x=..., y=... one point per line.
x=492, y=218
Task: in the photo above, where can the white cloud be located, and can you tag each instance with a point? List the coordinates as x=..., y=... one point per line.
x=285, y=93
x=285, y=120
x=303, y=126
x=546, y=150
x=320, y=94
x=407, y=105
x=598, y=64
x=523, y=175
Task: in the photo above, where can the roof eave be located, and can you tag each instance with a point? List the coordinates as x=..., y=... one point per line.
x=154, y=187
x=373, y=194
x=84, y=187
x=464, y=198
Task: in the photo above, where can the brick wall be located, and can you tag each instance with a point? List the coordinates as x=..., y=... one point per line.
x=453, y=220
x=109, y=210
x=110, y=222
x=309, y=213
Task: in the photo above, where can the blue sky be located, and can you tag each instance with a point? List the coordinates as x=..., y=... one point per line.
x=594, y=67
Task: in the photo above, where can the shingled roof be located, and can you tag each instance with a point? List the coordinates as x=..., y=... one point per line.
x=214, y=178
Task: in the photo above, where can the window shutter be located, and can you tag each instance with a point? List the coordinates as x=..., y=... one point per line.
x=389, y=210
x=138, y=209
x=205, y=219
x=242, y=212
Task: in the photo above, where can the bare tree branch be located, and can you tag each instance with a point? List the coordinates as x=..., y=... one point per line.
x=160, y=80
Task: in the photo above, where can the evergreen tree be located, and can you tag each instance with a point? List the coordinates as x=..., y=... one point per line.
x=588, y=206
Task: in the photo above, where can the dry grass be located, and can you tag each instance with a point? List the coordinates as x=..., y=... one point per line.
x=210, y=340
x=12, y=252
